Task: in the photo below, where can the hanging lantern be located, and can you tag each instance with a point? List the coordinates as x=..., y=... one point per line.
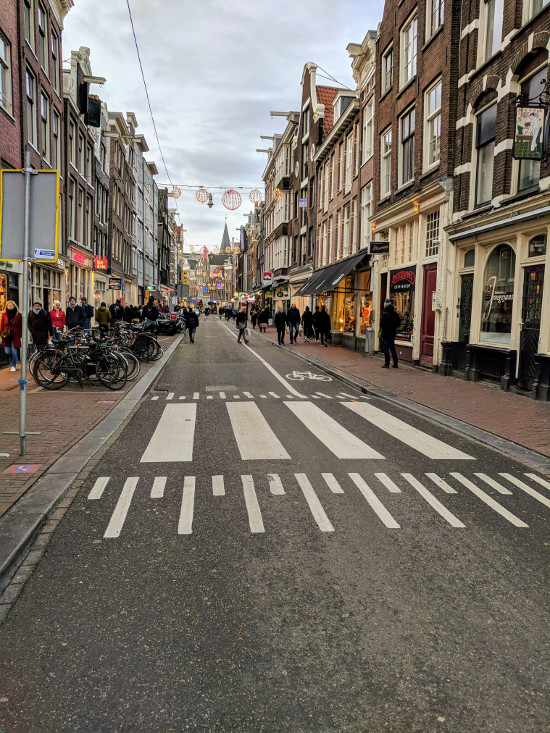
x=237, y=250
x=277, y=194
x=176, y=192
x=202, y=195
x=216, y=250
x=255, y=196
x=231, y=199
x=228, y=249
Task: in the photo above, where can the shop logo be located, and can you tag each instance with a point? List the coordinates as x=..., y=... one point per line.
x=101, y=263
x=403, y=280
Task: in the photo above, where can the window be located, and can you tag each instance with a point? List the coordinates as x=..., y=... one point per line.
x=485, y=145
x=498, y=296
x=537, y=246
x=432, y=107
x=305, y=126
x=28, y=10
x=432, y=234
x=31, y=108
x=366, y=213
x=493, y=26
x=55, y=62
x=435, y=10
x=349, y=163
x=56, y=150
x=368, y=129
x=538, y=5
x=45, y=125
x=470, y=258
x=385, y=163
x=81, y=159
x=408, y=51
x=5, y=75
x=43, y=37
x=387, y=70
x=529, y=170
x=406, y=131
x=72, y=143
x=72, y=211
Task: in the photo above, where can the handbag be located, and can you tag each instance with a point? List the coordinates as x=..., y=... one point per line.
x=379, y=333
x=5, y=333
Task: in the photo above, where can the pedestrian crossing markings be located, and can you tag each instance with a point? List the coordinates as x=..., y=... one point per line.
x=311, y=488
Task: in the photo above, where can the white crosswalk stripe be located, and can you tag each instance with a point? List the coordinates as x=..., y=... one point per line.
x=314, y=499
x=528, y=490
x=255, y=439
x=411, y=436
x=336, y=438
x=539, y=480
x=492, y=483
x=173, y=438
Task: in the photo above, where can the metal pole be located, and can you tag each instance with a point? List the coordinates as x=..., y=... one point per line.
x=24, y=308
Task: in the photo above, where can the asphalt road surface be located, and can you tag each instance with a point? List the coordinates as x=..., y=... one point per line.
x=263, y=548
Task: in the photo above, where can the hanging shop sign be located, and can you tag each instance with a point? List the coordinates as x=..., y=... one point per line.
x=281, y=294
x=267, y=278
x=403, y=280
x=302, y=203
x=379, y=247
x=529, y=133
x=101, y=263
x=115, y=283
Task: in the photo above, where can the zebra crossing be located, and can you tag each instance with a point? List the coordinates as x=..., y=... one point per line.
x=377, y=489
x=173, y=438
x=222, y=395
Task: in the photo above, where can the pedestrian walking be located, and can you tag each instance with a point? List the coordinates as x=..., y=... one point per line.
x=324, y=326
x=307, y=324
x=74, y=315
x=128, y=313
x=39, y=324
x=192, y=323
x=263, y=318
x=103, y=318
x=11, y=332
x=389, y=323
x=57, y=317
x=253, y=317
x=280, y=325
x=316, y=321
x=293, y=319
x=117, y=311
x=88, y=313
x=241, y=321
x=150, y=313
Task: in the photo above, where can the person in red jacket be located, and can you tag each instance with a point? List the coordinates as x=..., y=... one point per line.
x=11, y=330
x=57, y=316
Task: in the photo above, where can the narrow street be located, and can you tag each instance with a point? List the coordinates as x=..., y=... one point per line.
x=264, y=548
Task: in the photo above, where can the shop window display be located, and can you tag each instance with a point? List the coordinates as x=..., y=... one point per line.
x=343, y=310
x=498, y=296
x=402, y=287
x=364, y=295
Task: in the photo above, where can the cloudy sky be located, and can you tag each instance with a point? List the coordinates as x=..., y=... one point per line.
x=214, y=71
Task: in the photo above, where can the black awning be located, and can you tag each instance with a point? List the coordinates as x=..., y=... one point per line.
x=327, y=279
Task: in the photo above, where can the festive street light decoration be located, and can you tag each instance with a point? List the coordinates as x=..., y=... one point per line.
x=176, y=192
x=237, y=250
x=228, y=249
x=277, y=194
x=231, y=199
x=202, y=195
x=216, y=250
x=255, y=196
x=204, y=252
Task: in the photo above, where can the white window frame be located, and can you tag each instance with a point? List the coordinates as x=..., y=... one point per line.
x=368, y=130
x=490, y=43
x=477, y=147
x=410, y=115
x=55, y=61
x=32, y=132
x=45, y=125
x=435, y=11
x=433, y=233
x=349, y=163
x=409, y=50
x=432, y=123
x=43, y=41
x=28, y=21
x=385, y=162
x=386, y=70
x=56, y=134
x=6, y=97
x=366, y=213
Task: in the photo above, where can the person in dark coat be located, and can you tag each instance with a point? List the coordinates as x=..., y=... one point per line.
x=263, y=318
x=389, y=323
x=253, y=317
x=280, y=325
x=316, y=320
x=88, y=313
x=324, y=325
x=11, y=330
x=307, y=324
x=39, y=324
x=74, y=315
x=192, y=323
x=117, y=311
x=150, y=313
x=241, y=325
x=293, y=319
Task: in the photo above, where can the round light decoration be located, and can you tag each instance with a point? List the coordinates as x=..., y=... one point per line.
x=204, y=252
x=216, y=250
x=176, y=192
x=192, y=248
x=228, y=249
x=277, y=194
x=255, y=196
x=231, y=199
x=202, y=195
x=237, y=250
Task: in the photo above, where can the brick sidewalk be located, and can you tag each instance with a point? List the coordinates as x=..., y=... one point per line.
x=515, y=418
x=62, y=418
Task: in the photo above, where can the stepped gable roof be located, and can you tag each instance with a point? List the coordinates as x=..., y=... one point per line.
x=325, y=95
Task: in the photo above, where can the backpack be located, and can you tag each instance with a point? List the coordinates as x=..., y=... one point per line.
x=88, y=311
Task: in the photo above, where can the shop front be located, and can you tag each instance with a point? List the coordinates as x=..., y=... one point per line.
x=81, y=269
x=101, y=281
x=48, y=284
x=402, y=294
x=281, y=296
x=9, y=290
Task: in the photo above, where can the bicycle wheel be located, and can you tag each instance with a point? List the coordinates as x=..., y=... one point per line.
x=132, y=362
x=45, y=371
x=144, y=347
x=112, y=371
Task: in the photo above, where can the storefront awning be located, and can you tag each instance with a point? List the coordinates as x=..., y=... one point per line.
x=327, y=278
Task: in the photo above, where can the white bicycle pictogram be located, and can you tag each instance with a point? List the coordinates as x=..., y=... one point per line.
x=300, y=376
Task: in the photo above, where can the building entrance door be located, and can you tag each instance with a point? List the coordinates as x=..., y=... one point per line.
x=533, y=279
x=428, y=314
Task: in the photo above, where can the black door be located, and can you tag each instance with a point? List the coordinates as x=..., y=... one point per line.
x=465, y=313
x=533, y=278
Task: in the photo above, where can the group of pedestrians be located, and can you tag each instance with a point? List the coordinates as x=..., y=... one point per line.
x=315, y=325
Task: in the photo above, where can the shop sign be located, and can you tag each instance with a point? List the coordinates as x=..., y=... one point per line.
x=77, y=257
x=267, y=278
x=302, y=203
x=115, y=283
x=281, y=294
x=528, y=133
x=379, y=247
x=268, y=295
x=100, y=263
x=219, y=286
x=44, y=254
x=403, y=280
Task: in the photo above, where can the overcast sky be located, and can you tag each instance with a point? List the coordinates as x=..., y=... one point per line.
x=214, y=71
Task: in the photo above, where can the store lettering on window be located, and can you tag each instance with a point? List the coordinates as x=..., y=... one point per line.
x=402, y=288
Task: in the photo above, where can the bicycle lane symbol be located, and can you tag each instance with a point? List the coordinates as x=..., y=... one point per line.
x=299, y=376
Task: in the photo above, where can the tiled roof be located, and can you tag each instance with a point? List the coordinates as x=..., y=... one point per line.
x=325, y=95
